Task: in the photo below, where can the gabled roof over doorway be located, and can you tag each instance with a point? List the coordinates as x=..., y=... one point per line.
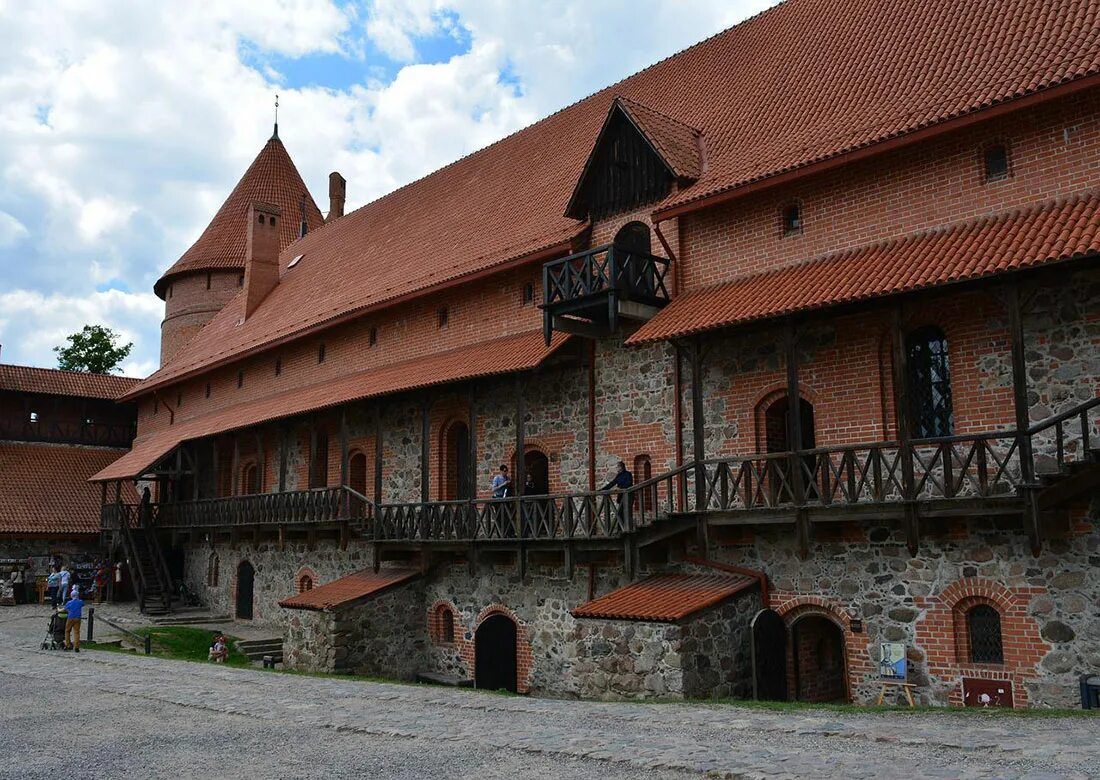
x=669, y=150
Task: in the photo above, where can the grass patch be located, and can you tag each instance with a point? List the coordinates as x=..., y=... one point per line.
x=181, y=643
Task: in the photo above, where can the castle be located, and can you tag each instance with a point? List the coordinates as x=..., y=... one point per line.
x=825, y=284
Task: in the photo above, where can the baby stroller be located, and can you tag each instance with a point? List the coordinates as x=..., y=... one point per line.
x=55, y=634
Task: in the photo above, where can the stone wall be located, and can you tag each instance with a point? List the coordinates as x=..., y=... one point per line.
x=1050, y=628
x=380, y=636
x=276, y=572
x=707, y=655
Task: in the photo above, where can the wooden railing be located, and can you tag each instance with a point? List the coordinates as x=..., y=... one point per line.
x=630, y=274
x=67, y=432
x=975, y=466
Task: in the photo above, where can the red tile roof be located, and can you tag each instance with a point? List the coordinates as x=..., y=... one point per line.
x=677, y=143
x=44, y=488
x=666, y=598
x=512, y=353
x=350, y=588
x=803, y=82
x=51, y=381
x=1048, y=233
x=272, y=179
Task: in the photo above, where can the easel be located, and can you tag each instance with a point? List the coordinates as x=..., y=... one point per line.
x=893, y=685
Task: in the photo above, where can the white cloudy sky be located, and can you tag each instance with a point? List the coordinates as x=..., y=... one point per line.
x=125, y=123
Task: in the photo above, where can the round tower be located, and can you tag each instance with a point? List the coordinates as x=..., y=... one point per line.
x=211, y=272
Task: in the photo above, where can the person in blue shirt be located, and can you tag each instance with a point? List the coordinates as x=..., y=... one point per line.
x=622, y=480
x=73, y=608
x=502, y=483
x=52, y=584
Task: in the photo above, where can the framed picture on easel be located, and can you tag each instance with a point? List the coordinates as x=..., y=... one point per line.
x=892, y=662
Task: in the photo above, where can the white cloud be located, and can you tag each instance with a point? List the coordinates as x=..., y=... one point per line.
x=12, y=231
x=125, y=124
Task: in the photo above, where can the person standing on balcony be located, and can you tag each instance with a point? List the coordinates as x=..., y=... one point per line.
x=622, y=480
x=502, y=483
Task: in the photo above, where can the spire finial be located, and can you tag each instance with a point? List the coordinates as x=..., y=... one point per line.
x=275, y=135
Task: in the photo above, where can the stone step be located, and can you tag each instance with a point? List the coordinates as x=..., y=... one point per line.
x=180, y=617
x=450, y=680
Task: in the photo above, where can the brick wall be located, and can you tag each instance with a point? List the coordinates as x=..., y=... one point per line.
x=190, y=302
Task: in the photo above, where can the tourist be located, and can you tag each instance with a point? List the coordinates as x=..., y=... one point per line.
x=73, y=608
x=219, y=649
x=102, y=575
x=53, y=582
x=63, y=584
x=622, y=480
x=502, y=483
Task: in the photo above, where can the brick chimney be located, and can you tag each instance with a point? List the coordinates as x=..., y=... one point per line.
x=337, y=191
x=261, y=261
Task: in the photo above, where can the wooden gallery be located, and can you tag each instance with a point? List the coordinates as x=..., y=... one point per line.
x=824, y=284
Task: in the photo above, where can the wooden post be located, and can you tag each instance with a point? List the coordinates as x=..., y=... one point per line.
x=343, y=446
x=519, y=478
x=234, y=479
x=284, y=443
x=794, y=442
x=698, y=448
x=215, y=467
x=1023, y=418
x=472, y=475
x=378, y=450
x=592, y=415
x=312, y=478
x=425, y=448
x=902, y=419
x=261, y=462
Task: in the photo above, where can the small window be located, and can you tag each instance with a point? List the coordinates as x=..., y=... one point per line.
x=169, y=291
x=305, y=582
x=273, y=220
x=444, y=316
x=528, y=293
x=373, y=338
x=207, y=280
x=34, y=417
x=930, y=395
x=240, y=280
x=983, y=625
x=179, y=400
x=444, y=625
x=321, y=353
x=792, y=219
x=995, y=160
x=278, y=366
x=207, y=389
x=240, y=379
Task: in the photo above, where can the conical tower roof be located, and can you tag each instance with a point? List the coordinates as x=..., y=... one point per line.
x=271, y=178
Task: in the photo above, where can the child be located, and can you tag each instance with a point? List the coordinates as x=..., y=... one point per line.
x=219, y=651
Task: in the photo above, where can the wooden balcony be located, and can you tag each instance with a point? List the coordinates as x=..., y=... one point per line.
x=589, y=292
x=973, y=475
x=67, y=432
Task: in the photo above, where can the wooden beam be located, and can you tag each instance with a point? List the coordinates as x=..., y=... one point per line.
x=592, y=416
x=343, y=445
x=902, y=421
x=472, y=475
x=378, y=450
x=234, y=477
x=578, y=327
x=519, y=478
x=632, y=310
x=697, y=432
x=311, y=481
x=261, y=461
x=215, y=467
x=425, y=448
x=284, y=444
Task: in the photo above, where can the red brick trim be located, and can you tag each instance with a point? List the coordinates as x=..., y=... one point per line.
x=440, y=614
x=794, y=607
x=305, y=571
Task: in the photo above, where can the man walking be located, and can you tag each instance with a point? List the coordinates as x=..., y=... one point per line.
x=73, y=609
x=502, y=483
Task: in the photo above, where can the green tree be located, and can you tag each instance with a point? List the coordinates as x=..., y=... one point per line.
x=94, y=349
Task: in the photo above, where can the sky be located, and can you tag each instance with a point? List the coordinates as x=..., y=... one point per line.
x=124, y=124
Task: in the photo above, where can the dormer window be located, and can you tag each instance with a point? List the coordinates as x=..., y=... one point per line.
x=995, y=162
x=792, y=219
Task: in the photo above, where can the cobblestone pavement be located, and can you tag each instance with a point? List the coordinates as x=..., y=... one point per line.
x=160, y=718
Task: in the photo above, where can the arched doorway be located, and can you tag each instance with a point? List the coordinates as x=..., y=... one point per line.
x=538, y=473
x=456, y=463
x=769, y=656
x=634, y=237
x=632, y=273
x=246, y=577
x=776, y=435
x=495, y=654
x=818, y=660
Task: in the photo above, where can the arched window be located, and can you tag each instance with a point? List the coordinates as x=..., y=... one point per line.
x=212, y=571
x=250, y=479
x=929, y=383
x=443, y=628
x=634, y=237
x=983, y=627
x=305, y=582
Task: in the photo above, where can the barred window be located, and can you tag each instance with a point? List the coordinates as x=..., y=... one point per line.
x=983, y=625
x=929, y=383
